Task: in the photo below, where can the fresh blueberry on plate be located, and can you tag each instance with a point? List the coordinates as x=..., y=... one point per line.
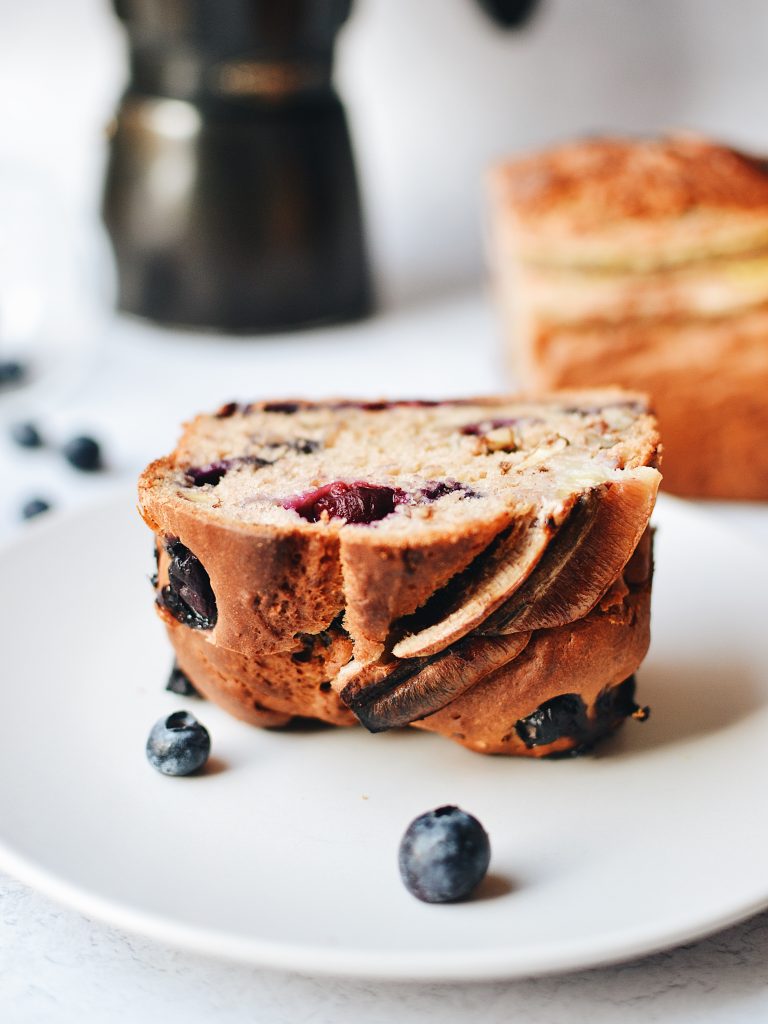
x=444, y=855
x=178, y=744
x=83, y=453
x=34, y=507
x=26, y=435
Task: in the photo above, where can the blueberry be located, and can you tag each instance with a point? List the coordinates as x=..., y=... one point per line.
x=178, y=744
x=357, y=502
x=444, y=855
x=83, y=453
x=433, y=490
x=618, y=702
x=553, y=720
x=12, y=372
x=179, y=682
x=211, y=473
x=26, y=435
x=154, y=579
x=188, y=596
x=34, y=507
x=287, y=408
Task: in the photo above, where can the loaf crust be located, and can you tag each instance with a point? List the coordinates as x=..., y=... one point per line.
x=627, y=202
x=271, y=689
x=256, y=572
x=586, y=659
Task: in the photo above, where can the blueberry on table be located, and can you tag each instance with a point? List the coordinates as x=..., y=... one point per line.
x=34, y=507
x=444, y=855
x=11, y=372
x=83, y=453
x=26, y=435
x=178, y=744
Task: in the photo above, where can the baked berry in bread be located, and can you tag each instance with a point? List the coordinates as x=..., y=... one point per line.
x=415, y=549
x=645, y=263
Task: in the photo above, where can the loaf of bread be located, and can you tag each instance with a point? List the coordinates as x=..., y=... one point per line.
x=453, y=565
x=645, y=263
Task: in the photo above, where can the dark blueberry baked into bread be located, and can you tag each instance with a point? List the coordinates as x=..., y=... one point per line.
x=452, y=565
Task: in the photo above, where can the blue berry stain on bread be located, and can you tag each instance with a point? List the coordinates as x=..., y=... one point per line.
x=353, y=502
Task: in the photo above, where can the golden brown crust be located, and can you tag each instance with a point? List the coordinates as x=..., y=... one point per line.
x=256, y=572
x=597, y=180
x=270, y=689
x=644, y=263
x=584, y=658
x=385, y=582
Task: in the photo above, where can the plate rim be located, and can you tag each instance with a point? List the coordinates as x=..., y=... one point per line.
x=461, y=966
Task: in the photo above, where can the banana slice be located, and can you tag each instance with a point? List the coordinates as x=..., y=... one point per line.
x=385, y=695
x=586, y=556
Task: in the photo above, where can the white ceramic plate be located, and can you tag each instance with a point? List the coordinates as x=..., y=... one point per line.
x=284, y=854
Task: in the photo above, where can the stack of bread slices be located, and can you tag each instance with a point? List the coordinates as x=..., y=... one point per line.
x=644, y=263
x=478, y=568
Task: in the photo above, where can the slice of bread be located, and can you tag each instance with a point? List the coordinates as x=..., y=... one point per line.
x=408, y=531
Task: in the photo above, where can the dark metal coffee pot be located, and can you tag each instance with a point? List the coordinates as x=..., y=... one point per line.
x=231, y=196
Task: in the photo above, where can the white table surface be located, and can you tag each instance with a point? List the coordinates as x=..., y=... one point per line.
x=138, y=383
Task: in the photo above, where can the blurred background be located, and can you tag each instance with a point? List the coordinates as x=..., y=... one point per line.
x=433, y=92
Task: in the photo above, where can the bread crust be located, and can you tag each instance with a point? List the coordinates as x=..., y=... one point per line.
x=590, y=182
x=384, y=582
x=585, y=658
x=256, y=571
x=270, y=689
